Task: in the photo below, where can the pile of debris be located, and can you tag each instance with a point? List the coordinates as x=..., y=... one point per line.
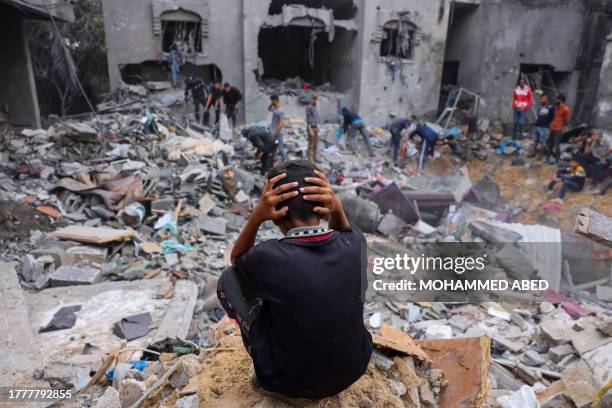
x=114, y=229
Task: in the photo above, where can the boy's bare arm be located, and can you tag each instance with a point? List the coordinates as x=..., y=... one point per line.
x=323, y=192
x=264, y=211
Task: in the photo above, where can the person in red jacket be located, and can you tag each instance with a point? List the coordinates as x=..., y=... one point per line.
x=522, y=101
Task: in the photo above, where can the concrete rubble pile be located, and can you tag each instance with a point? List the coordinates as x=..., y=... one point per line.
x=114, y=229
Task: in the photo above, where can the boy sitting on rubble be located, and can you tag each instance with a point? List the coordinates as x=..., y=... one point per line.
x=299, y=300
x=572, y=178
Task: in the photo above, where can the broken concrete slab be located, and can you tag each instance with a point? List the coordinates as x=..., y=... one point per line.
x=594, y=225
x=390, y=225
x=74, y=275
x=20, y=353
x=190, y=401
x=599, y=361
x=579, y=385
x=177, y=318
x=212, y=225
x=110, y=399
x=102, y=304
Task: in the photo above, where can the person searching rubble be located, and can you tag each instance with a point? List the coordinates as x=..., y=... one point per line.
x=354, y=123
x=265, y=144
x=299, y=300
x=571, y=178
x=199, y=94
x=277, y=125
x=469, y=130
x=429, y=139
x=396, y=127
x=231, y=99
x=213, y=101
x=313, y=120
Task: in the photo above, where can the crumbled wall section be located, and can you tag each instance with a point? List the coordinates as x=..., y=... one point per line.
x=415, y=86
x=604, y=98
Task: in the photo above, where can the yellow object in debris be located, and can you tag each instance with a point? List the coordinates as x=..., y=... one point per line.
x=600, y=393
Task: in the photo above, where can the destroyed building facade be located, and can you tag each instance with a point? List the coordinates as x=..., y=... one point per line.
x=18, y=98
x=558, y=45
x=376, y=56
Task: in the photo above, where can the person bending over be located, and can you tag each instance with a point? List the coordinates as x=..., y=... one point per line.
x=264, y=142
x=299, y=300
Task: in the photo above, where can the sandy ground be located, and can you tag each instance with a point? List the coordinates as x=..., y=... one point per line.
x=225, y=382
x=526, y=187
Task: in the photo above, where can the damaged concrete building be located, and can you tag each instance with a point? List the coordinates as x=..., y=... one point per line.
x=18, y=98
x=376, y=56
x=558, y=45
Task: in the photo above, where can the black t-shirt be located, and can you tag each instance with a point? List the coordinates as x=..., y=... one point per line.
x=309, y=339
x=215, y=95
x=232, y=96
x=469, y=119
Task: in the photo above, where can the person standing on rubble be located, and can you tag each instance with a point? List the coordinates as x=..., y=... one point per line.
x=557, y=126
x=214, y=100
x=521, y=103
x=231, y=99
x=353, y=123
x=278, y=124
x=396, y=128
x=299, y=300
x=264, y=142
x=469, y=130
x=199, y=94
x=312, y=127
x=546, y=114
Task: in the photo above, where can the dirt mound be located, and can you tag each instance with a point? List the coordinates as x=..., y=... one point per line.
x=17, y=220
x=525, y=187
x=225, y=381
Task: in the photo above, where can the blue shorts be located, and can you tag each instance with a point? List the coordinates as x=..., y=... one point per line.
x=541, y=135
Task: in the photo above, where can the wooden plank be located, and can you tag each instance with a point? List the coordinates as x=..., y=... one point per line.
x=594, y=225
x=404, y=342
x=93, y=235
